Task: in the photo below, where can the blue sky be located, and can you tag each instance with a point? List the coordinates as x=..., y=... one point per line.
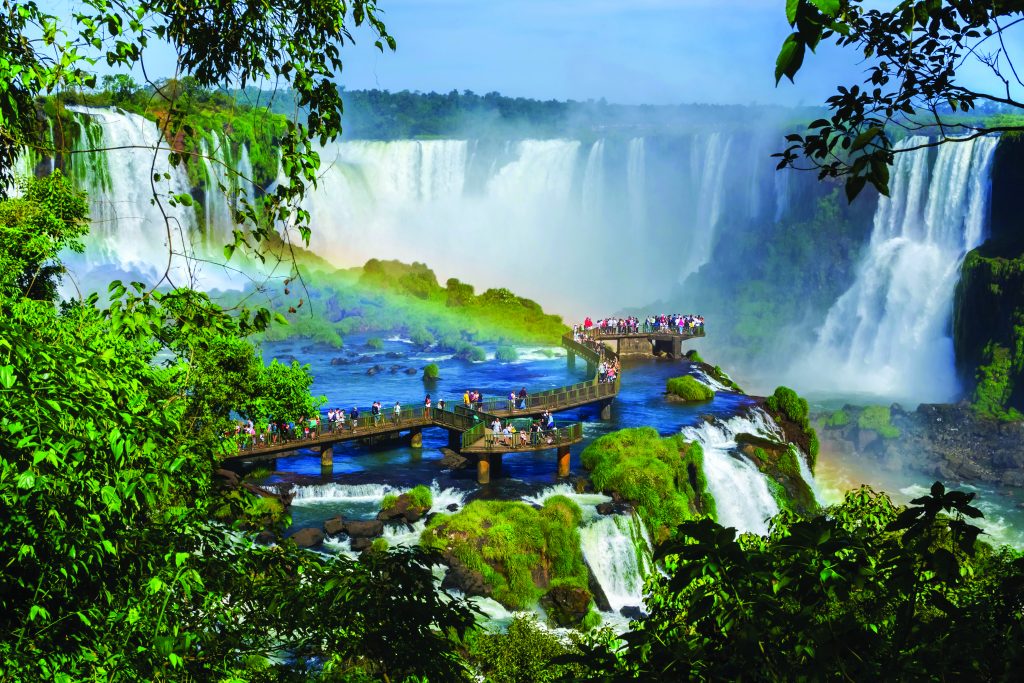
x=627, y=51
x=630, y=51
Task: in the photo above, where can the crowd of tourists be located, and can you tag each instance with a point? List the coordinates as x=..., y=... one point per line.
x=652, y=324
x=608, y=371
x=540, y=431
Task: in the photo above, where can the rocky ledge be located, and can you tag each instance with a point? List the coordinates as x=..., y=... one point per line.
x=946, y=441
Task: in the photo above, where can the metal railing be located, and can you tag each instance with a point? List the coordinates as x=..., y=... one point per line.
x=696, y=331
x=525, y=438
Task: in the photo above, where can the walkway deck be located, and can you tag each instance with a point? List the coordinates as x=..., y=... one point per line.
x=469, y=428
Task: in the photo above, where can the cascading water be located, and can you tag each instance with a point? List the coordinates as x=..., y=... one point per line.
x=742, y=497
x=593, y=183
x=616, y=547
x=618, y=550
x=889, y=334
x=129, y=230
x=708, y=161
x=636, y=183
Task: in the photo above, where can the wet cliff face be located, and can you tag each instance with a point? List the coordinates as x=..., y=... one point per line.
x=988, y=318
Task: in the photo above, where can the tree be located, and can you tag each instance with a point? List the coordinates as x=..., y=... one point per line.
x=913, y=82
x=48, y=216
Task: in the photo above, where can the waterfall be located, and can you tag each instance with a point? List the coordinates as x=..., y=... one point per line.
x=593, y=183
x=636, y=183
x=889, y=333
x=741, y=492
x=618, y=551
x=128, y=229
x=616, y=547
x=708, y=160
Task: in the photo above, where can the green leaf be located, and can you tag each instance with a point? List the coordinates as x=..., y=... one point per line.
x=791, y=57
x=827, y=7
x=791, y=7
x=864, y=138
x=7, y=376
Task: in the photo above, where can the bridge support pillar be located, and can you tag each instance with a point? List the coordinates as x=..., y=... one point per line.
x=677, y=348
x=571, y=359
x=454, y=440
x=606, y=411
x=327, y=457
x=416, y=438
x=563, y=461
x=483, y=469
x=496, y=463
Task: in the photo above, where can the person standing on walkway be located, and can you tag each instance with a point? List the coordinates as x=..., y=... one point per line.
x=398, y=412
x=440, y=404
x=375, y=411
x=426, y=407
x=354, y=417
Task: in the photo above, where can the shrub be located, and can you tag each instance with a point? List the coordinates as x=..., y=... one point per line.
x=374, y=343
x=389, y=501
x=524, y=653
x=506, y=354
x=379, y=545
x=786, y=403
x=431, y=371
x=877, y=419
x=662, y=477
x=694, y=356
x=689, y=389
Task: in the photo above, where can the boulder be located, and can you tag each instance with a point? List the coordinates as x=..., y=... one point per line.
x=452, y=507
x=411, y=371
x=402, y=510
x=334, y=526
x=364, y=529
x=632, y=612
x=606, y=508
x=600, y=598
x=340, y=361
x=394, y=354
x=374, y=370
x=359, y=544
x=307, y=538
x=566, y=606
x=462, y=578
x=452, y=460
x=266, y=537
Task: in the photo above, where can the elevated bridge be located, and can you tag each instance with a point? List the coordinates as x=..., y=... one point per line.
x=469, y=427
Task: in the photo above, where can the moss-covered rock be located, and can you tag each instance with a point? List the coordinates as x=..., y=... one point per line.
x=837, y=420
x=408, y=507
x=431, y=372
x=778, y=462
x=688, y=390
x=878, y=419
x=988, y=325
x=512, y=551
x=662, y=477
x=792, y=414
x=506, y=354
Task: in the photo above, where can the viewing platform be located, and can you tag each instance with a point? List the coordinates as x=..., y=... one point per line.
x=469, y=427
x=655, y=342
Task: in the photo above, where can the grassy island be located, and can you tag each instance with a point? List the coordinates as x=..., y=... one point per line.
x=688, y=390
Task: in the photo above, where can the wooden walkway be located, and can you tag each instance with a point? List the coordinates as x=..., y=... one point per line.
x=469, y=427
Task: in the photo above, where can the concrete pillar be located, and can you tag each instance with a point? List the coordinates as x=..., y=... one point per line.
x=416, y=438
x=327, y=457
x=606, y=411
x=483, y=469
x=571, y=358
x=677, y=348
x=563, y=461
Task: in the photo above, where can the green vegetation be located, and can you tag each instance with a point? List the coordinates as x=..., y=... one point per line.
x=877, y=419
x=420, y=497
x=113, y=424
x=374, y=343
x=781, y=467
x=662, y=477
x=996, y=381
x=431, y=371
x=863, y=591
x=839, y=418
x=688, y=389
x=506, y=354
x=520, y=551
x=379, y=545
x=988, y=316
x=722, y=376
x=694, y=356
x=787, y=407
x=523, y=653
